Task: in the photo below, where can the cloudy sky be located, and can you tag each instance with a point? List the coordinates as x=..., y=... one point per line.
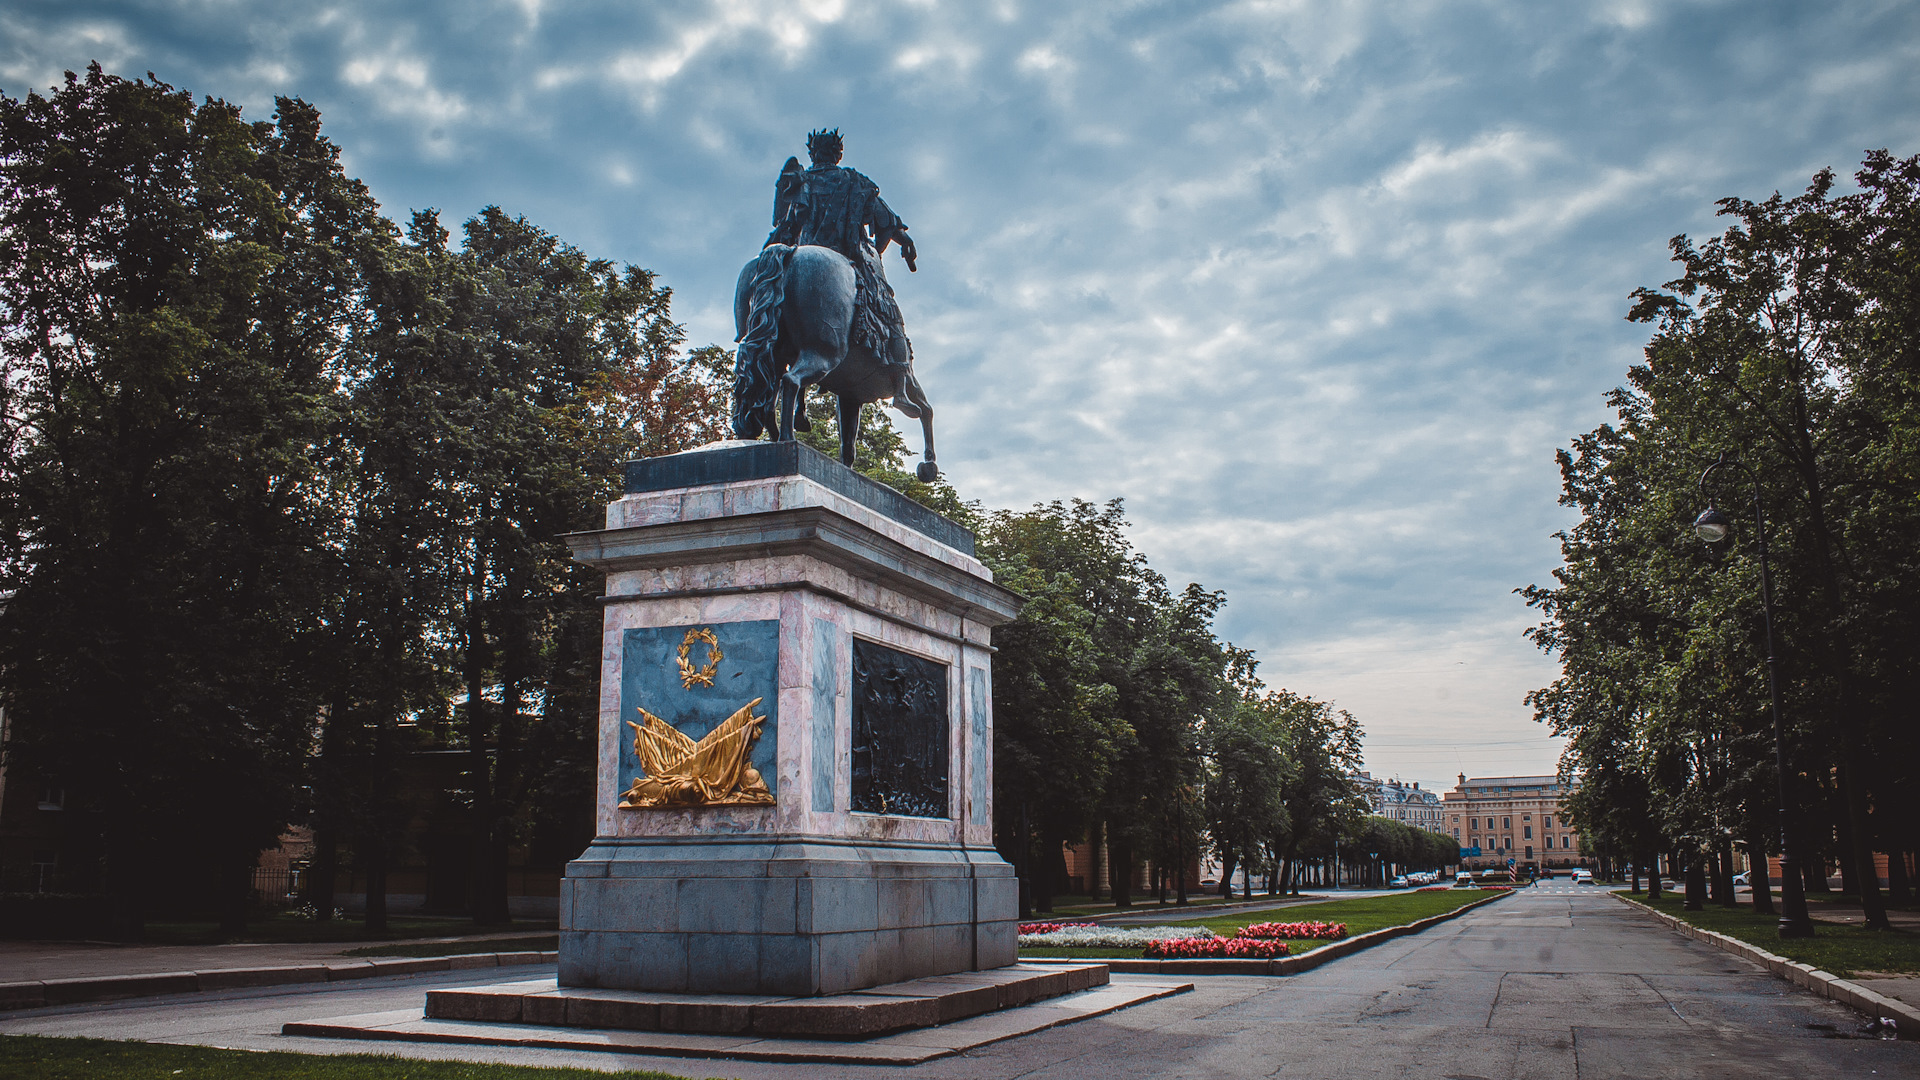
x=1317, y=287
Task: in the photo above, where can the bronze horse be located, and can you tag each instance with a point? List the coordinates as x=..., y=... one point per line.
x=793, y=313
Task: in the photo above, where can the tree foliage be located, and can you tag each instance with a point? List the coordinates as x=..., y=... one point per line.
x=1788, y=344
x=279, y=484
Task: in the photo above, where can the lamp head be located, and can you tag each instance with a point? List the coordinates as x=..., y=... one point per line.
x=1712, y=526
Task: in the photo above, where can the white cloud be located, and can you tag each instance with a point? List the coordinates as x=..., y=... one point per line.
x=1319, y=287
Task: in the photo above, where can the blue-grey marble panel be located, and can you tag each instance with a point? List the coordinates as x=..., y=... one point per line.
x=749, y=668
x=826, y=687
x=979, y=746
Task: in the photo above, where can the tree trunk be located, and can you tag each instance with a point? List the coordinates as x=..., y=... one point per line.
x=127, y=863
x=1043, y=872
x=1813, y=871
x=1757, y=878
x=236, y=888
x=1652, y=863
x=1120, y=872
x=1023, y=862
x=1696, y=881
x=376, y=867
x=1227, y=863
x=1849, y=874
x=1096, y=841
x=326, y=863
x=1723, y=862
x=486, y=894
x=1899, y=885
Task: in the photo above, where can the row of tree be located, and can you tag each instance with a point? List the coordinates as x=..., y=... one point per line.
x=1790, y=345
x=282, y=486
x=279, y=510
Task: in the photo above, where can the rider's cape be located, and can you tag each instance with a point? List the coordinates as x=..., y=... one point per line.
x=835, y=207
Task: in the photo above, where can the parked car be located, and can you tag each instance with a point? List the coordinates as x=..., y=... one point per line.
x=1398, y=883
x=1583, y=877
x=1463, y=880
x=1741, y=878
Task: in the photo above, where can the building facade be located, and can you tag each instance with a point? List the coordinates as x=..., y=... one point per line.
x=1512, y=821
x=1401, y=801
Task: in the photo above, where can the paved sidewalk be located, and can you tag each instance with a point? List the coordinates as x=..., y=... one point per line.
x=24, y=960
x=1541, y=986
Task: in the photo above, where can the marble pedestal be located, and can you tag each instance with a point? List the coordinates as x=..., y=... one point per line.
x=858, y=620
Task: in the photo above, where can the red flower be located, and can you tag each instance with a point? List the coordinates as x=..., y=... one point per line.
x=1049, y=927
x=1326, y=930
x=1206, y=948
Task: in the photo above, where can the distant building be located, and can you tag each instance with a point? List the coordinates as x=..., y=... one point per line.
x=1513, y=820
x=1401, y=801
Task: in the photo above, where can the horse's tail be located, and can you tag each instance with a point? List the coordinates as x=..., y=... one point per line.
x=756, y=377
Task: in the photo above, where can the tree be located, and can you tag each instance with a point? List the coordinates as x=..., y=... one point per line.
x=1323, y=745
x=1248, y=771
x=172, y=279
x=1788, y=342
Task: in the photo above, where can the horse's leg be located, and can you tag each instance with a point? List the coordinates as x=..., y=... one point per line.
x=804, y=373
x=927, y=470
x=850, y=410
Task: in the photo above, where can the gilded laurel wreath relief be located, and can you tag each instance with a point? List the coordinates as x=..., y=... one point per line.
x=714, y=771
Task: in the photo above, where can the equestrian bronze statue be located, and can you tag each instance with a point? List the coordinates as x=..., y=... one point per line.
x=814, y=308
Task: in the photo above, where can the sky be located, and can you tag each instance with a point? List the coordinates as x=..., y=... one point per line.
x=1317, y=288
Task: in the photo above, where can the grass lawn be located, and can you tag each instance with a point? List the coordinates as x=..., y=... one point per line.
x=1842, y=950
x=545, y=943
x=100, y=1059
x=1361, y=916
x=286, y=928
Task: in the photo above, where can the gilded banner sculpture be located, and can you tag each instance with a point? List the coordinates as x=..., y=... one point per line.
x=711, y=772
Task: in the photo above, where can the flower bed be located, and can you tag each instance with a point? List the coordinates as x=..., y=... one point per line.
x=1111, y=937
x=1050, y=927
x=1436, y=888
x=1496, y=888
x=1326, y=930
x=1210, y=948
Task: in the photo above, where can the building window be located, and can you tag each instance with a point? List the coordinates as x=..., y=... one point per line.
x=1506, y=823
x=1529, y=851
x=1528, y=830
x=1509, y=843
x=1546, y=822
x=1526, y=817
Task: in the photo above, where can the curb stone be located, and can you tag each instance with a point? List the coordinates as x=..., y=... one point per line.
x=1827, y=985
x=39, y=993
x=1284, y=965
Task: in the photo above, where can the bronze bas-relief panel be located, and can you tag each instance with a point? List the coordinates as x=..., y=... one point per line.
x=900, y=736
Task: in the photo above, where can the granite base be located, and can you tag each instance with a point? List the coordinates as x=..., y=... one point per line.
x=789, y=918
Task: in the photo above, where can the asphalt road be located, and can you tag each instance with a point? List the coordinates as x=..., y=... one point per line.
x=1547, y=983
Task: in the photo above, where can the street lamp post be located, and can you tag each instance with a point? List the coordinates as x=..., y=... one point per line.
x=1713, y=527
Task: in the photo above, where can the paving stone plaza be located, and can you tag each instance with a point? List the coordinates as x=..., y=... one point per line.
x=1549, y=983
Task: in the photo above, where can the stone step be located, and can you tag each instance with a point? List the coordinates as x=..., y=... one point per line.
x=901, y=1006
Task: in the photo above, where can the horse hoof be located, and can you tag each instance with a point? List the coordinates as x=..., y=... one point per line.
x=927, y=471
